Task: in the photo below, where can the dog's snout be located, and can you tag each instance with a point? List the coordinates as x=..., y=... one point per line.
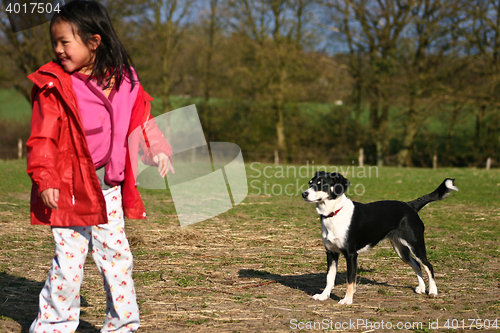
x=305, y=194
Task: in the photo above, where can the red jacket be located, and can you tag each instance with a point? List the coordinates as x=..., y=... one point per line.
x=58, y=156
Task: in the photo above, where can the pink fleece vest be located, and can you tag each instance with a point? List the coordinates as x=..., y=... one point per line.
x=106, y=121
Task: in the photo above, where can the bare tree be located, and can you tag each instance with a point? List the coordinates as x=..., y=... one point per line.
x=430, y=35
x=483, y=34
x=169, y=24
x=372, y=28
x=274, y=29
x=211, y=31
x=27, y=50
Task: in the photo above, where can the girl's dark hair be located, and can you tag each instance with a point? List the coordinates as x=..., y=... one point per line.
x=111, y=58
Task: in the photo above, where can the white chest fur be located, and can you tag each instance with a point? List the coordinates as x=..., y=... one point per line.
x=334, y=229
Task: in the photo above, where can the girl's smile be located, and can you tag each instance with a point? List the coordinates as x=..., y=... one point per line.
x=71, y=52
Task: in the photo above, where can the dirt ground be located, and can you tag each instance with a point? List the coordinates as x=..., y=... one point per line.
x=255, y=268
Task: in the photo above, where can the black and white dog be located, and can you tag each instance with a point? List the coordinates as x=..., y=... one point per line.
x=351, y=228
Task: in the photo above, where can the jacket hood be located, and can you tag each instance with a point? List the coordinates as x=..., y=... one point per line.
x=52, y=75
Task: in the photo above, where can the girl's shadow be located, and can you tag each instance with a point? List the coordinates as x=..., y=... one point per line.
x=19, y=301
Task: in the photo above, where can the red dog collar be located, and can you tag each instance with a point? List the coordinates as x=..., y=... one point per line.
x=332, y=214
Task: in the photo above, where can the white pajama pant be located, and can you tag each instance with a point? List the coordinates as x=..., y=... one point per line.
x=59, y=309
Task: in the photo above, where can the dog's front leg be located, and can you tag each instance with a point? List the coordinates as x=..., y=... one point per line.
x=332, y=259
x=352, y=269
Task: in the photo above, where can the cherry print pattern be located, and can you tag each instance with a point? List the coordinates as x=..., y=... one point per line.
x=60, y=297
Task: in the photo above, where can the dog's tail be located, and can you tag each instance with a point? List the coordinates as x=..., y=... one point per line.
x=442, y=192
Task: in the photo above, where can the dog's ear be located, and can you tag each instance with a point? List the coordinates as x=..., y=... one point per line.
x=340, y=185
x=320, y=173
x=344, y=182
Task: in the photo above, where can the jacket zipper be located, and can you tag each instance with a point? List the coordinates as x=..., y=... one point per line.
x=74, y=106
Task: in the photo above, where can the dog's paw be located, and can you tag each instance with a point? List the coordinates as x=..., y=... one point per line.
x=433, y=291
x=420, y=290
x=345, y=301
x=321, y=297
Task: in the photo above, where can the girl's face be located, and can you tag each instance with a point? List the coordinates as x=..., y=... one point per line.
x=71, y=51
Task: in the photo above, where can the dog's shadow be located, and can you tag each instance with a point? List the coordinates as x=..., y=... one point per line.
x=19, y=302
x=312, y=283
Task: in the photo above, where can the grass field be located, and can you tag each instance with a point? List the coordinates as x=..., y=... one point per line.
x=255, y=267
x=14, y=106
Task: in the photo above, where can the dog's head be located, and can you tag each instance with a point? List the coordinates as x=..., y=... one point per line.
x=325, y=186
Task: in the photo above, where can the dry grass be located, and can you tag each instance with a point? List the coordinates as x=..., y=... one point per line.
x=255, y=268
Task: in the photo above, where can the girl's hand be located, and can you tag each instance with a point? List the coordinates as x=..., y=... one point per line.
x=164, y=164
x=50, y=197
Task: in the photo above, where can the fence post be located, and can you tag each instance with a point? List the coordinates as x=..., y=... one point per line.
x=361, y=157
x=488, y=163
x=435, y=162
x=276, y=157
x=19, y=149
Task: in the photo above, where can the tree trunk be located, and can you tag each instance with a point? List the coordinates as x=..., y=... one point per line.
x=404, y=154
x=210, y=51
x=205, y=115
x=279, y=108
x=165, y=67
x=451, y=130
x=280, y=131
x=479, y=128
x=165, y=96
x=379, y=124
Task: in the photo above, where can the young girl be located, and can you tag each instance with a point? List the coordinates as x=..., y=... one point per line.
x=85, y=106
